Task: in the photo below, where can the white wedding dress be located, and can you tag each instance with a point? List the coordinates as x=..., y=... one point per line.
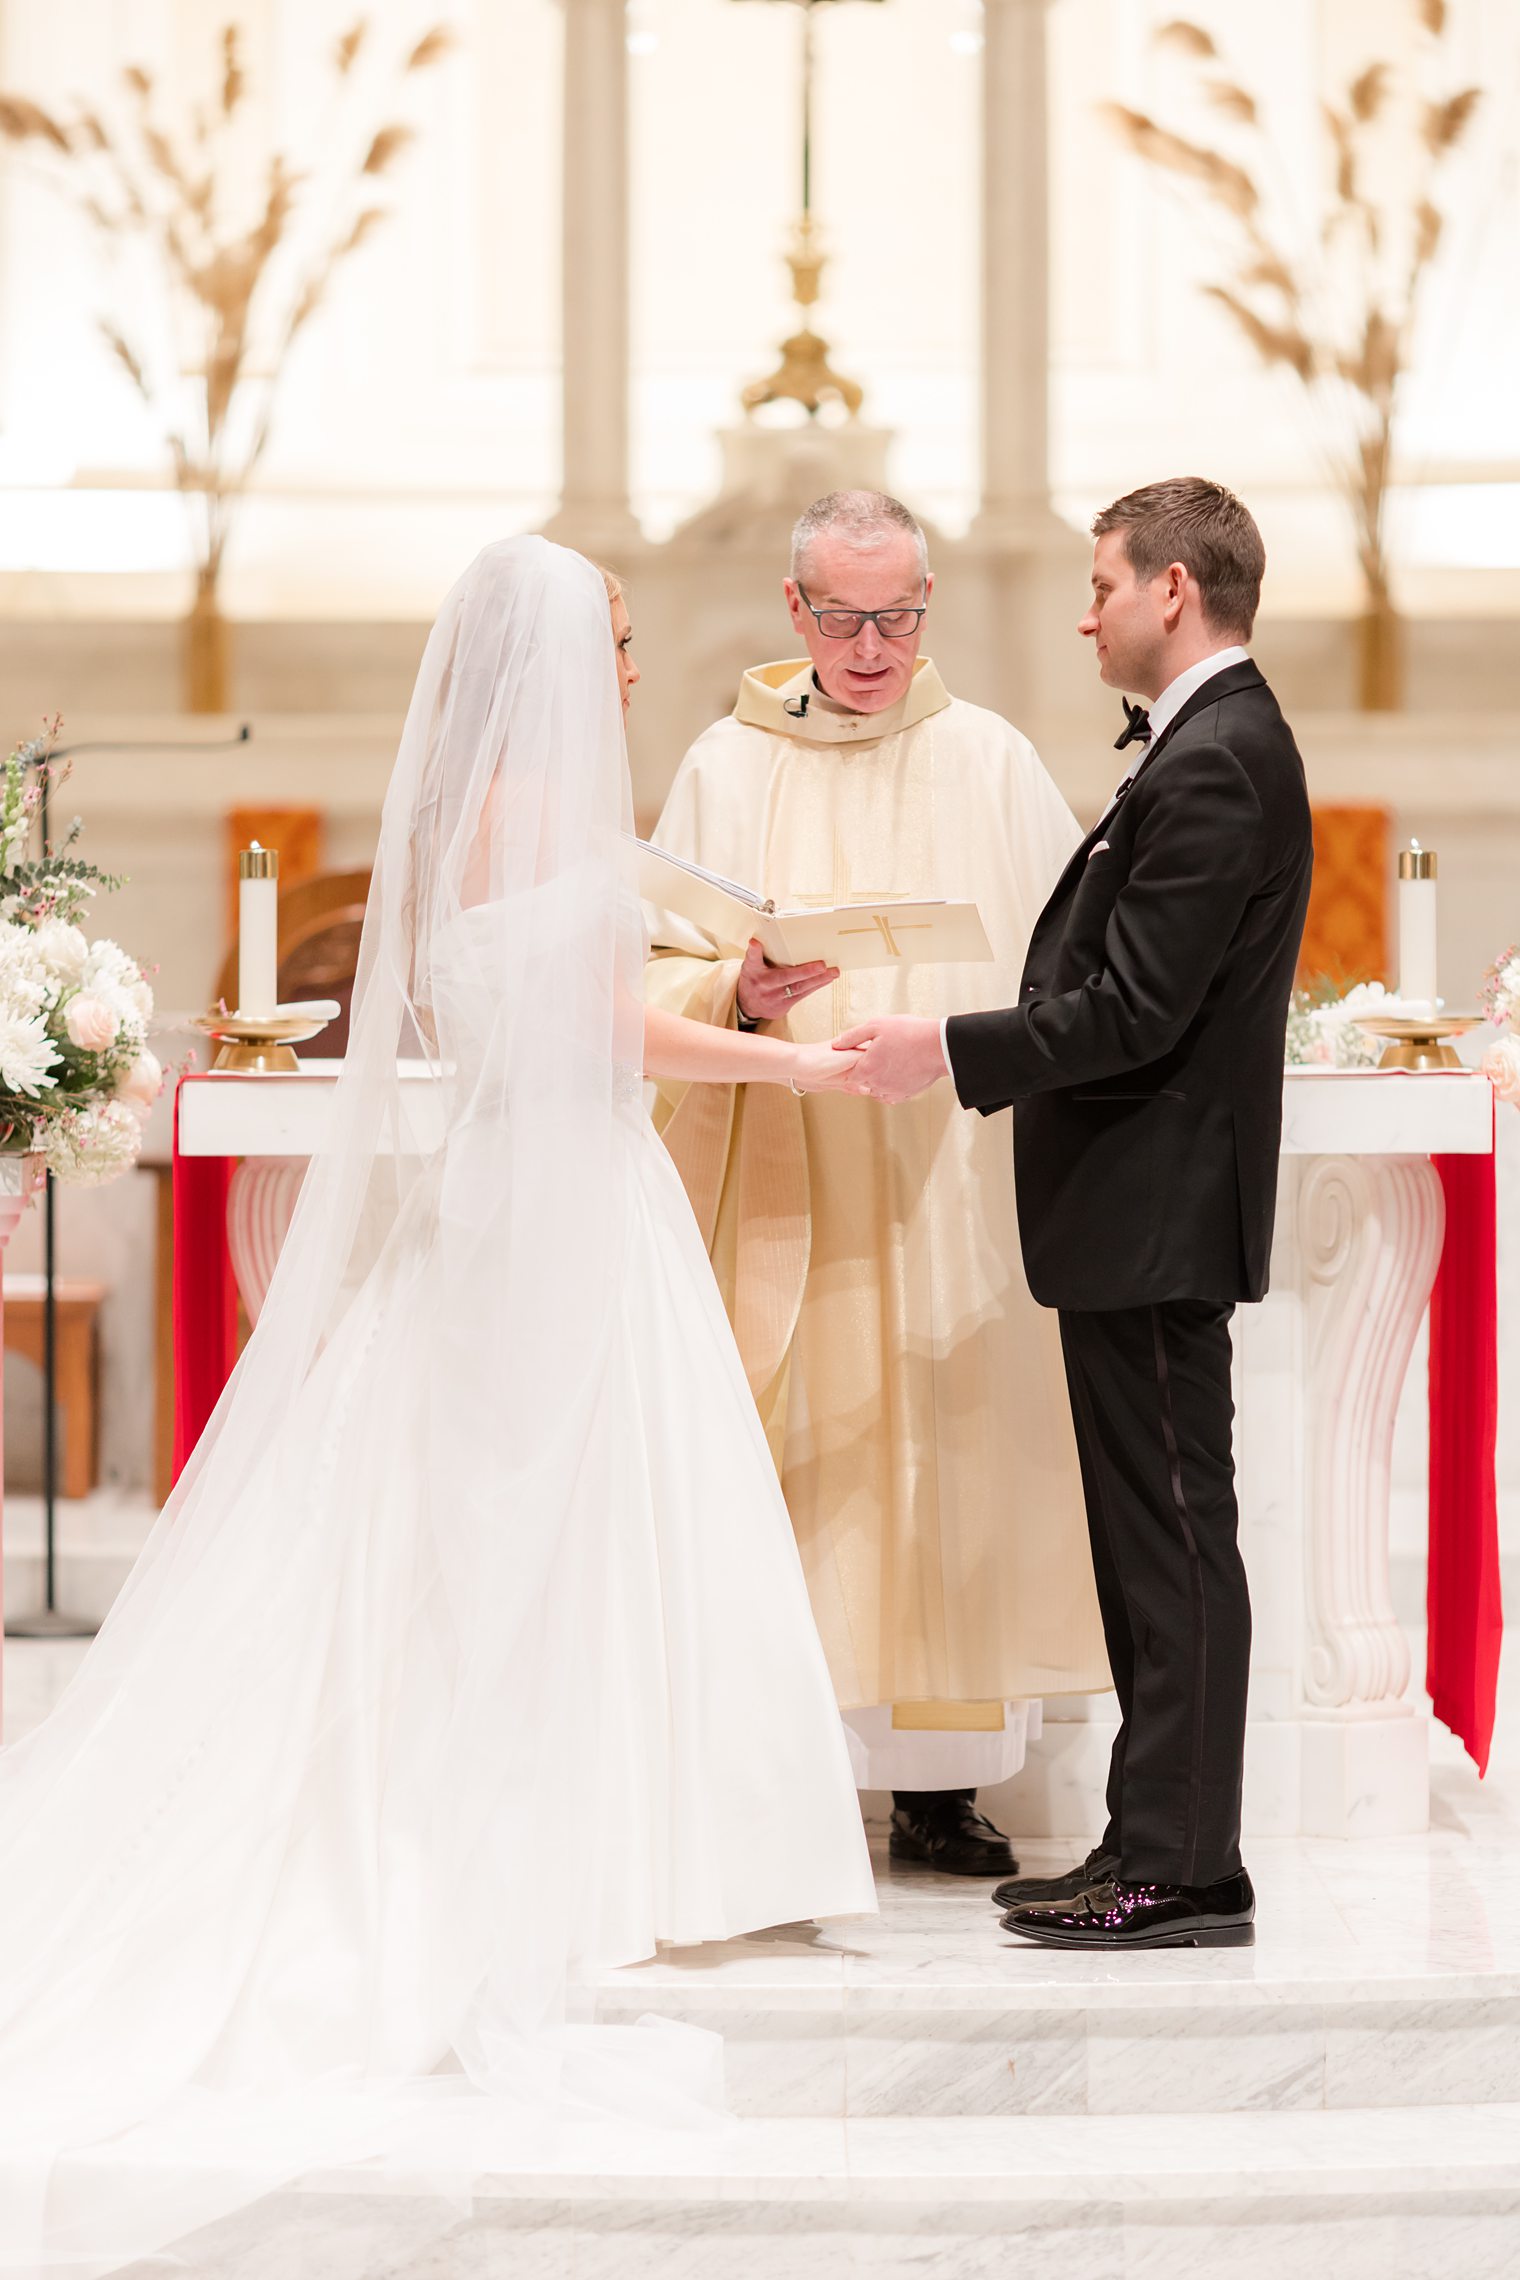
x=434, y=1694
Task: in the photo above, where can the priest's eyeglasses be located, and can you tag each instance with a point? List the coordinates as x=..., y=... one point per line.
x=843, y=625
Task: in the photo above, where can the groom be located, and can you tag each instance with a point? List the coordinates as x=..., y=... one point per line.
x=1144, y=1066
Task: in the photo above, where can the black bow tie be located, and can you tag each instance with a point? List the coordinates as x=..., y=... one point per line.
x=1137, y=726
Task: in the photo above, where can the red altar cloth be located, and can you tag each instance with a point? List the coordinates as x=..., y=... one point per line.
x=205, y=1294
x=1465, y=1609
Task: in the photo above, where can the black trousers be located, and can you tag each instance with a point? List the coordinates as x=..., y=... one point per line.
x=1150, y=1397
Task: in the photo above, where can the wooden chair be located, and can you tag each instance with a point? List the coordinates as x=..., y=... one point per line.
x=78, y=1308
x=320, y=923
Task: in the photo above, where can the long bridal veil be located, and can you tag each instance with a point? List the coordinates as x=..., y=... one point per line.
x=299, y=1851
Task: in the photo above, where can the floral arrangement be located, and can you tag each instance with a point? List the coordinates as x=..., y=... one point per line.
x=1322, y=1030
x=76, y=1076
x=1500, y=999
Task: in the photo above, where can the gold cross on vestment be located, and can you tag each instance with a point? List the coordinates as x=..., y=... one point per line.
x=843, y=891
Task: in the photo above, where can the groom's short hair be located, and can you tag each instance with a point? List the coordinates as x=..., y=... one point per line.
x=1189, y=520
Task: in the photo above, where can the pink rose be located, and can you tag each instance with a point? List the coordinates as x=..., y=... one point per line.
x=143, y=1082
x=1501, y=1065
x=90, y=1022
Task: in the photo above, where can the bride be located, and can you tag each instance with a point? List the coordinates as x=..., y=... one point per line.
x=472, y=1655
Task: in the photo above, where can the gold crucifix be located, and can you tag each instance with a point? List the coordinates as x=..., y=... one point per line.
x=842, y=892
x=882, y=925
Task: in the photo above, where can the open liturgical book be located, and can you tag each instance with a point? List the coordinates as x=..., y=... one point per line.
x=869, y=933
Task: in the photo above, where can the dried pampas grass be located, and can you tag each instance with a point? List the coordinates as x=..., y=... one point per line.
x=1338, y=313
x=1189, y=39
x=1234, y=101
x=240, y=283
x=1369, y=91
x=1228, y=184
x=1275, y=344
x=234, y=82
x=430, y=49
x=386, y=147
x=1446, y=123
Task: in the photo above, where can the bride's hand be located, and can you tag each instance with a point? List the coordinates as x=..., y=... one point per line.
x=819, y=1068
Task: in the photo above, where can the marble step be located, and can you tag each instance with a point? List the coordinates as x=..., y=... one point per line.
x=1393, y=2194
x=1383, y=1976
x=983, y=2051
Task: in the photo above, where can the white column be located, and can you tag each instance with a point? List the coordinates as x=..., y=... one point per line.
x=1015, y=272
x=593, y=511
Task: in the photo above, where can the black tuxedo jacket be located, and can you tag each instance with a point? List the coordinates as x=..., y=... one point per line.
x=1145, y=1054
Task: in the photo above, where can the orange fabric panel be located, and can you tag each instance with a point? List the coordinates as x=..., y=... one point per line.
x=1346, y=935
x=295, y=834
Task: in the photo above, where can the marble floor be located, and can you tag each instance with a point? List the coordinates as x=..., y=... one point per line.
x=921, y=2095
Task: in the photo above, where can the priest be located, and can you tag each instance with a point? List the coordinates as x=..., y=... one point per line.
x=913, y=1394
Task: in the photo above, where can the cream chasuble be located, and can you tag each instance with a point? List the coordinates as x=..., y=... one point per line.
x=913, y=1392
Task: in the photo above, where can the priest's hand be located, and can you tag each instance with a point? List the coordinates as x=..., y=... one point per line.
x=768, y=993
x=901, y=1055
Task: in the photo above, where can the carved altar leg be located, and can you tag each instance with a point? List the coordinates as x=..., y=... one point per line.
x=260, y=1204
x=1370, y=1230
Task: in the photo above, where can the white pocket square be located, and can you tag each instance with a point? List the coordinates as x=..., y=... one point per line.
x=1100, y=849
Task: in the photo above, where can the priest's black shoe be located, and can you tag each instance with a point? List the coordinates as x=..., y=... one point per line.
x=944, y=1830
x=1113, y=1914
x=1018, y=1891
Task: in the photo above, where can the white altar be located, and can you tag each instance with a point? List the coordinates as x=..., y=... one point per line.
x=1336, y=1746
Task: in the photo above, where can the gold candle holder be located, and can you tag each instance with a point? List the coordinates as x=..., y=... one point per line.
x=264, y=1044
x=1418, y=1041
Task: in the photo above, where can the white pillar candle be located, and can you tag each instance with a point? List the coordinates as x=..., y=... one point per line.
x=1417, y=926
x=258, y=932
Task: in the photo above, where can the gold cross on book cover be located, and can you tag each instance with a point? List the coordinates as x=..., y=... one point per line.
x=871, y=932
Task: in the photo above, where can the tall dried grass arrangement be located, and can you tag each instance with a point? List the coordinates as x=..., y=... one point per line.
x=1339, y=311
x=235, y=279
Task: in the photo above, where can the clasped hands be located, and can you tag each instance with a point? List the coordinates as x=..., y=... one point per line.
x=891, y=1059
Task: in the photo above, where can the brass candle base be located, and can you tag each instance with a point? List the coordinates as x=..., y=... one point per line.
x=1418, y=1041
x=264, y=1045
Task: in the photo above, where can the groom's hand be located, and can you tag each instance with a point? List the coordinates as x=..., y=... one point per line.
x=902, y=1056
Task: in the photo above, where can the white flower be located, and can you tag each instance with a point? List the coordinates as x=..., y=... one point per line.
x=26, y=1054
x=23, y=997
x=1501, y=1065
x=63, y=950
x=88, y=1146
x=108, y=962
x=91, y=1023
x=143, y=1081
x=25, y=986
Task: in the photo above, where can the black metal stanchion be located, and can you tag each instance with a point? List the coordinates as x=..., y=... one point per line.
x=51, y=1621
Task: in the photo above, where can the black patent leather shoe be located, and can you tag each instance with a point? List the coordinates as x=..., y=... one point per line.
x=1118, y=1915
x=1020, y=1890
x=950, y=1835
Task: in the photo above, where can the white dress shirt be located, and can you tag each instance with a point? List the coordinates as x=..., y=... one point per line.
x=1163, y=712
